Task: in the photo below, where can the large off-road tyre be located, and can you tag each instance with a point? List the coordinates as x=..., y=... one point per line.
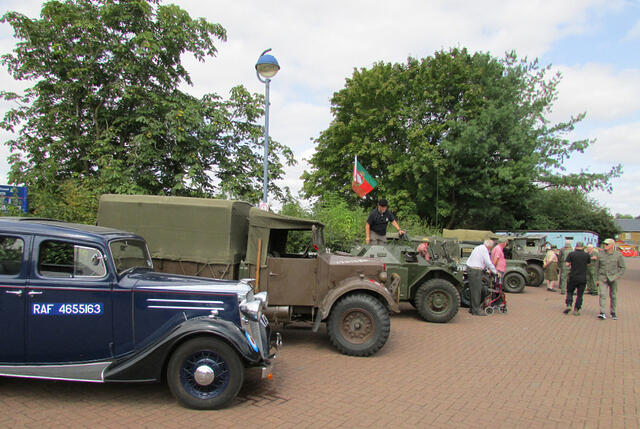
x=536, y=274
x=205, y=373
x=437, y=301
x=465, y=296
x=513, y=282
x=358, y=325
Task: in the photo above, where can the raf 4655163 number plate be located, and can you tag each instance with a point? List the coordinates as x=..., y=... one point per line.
x=67, y=309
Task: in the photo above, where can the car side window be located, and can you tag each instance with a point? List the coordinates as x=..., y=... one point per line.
x=11, y=252
x=62, y=259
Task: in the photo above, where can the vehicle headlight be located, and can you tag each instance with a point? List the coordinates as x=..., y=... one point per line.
x=262, y=296
x=382, y=276
x=251, y=309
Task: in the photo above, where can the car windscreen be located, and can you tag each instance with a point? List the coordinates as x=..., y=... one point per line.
x=129, y=254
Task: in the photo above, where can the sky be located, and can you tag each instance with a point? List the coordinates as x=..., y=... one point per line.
x=595, y=44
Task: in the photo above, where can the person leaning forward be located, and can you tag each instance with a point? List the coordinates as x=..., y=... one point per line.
x=478, y=261
x=611, y=267
x=376, y=226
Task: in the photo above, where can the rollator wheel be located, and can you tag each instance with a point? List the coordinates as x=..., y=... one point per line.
x=488, y=310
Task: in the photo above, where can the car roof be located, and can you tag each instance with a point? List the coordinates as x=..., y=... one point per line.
x=54, y=227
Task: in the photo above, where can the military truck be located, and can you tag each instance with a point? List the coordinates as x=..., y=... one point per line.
x=529, y=249
x=433, y=287
x=286, y=257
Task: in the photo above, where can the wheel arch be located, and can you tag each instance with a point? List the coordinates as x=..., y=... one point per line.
x=150, y=364
x=354, y=286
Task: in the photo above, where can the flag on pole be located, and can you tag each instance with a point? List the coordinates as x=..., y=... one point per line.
x=362, y=182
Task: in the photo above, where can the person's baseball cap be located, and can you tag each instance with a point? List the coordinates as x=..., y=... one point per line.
x=579, y=245
x=382, y=202
x=609, y=241
x=426, y=239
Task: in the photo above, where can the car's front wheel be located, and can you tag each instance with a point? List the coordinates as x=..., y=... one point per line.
x=359, y=325
x=205, y=373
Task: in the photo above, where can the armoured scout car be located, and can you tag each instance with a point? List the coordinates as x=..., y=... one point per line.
x=433, y=287
x=285, y=255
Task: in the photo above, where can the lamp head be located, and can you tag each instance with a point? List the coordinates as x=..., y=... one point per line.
x=267, y=65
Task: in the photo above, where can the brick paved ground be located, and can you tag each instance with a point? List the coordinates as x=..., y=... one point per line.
x=533, y=367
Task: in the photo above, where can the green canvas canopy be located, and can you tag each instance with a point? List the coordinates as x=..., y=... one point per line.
x=469, y=234
x=203, y=230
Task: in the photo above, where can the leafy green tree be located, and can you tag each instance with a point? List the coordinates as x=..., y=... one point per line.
x=459, y=140
x=105, y=111
x=569, y=209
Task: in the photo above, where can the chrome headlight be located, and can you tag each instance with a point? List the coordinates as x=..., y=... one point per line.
x=251, y=309
x=261, y=296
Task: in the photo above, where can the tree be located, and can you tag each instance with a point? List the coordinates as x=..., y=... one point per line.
x=460, y=140
x=552, y=209
x=105, y=113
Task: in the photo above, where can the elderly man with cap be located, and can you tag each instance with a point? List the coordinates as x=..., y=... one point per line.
x=564, y=269
x=376, y=227
x=592, y=286
x=577, y=262
x=478, y=261
x=611, y=267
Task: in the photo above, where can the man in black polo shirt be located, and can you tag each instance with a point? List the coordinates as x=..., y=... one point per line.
x=376, y=227
x=577, y=261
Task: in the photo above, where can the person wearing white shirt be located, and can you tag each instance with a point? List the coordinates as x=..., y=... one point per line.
x=478, y=261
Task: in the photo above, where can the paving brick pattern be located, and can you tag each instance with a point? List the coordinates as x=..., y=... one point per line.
x=531, y=368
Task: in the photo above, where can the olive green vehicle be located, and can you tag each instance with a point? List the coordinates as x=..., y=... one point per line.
x=515, y=275
x=433, y=287
x=284, y=255
x=529, y=249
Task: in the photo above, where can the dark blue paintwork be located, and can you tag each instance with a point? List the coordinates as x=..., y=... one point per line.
x=134, y=322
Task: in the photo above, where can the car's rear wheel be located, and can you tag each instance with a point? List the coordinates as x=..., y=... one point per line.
x=205, y=373
x=359, y=325
x=437, y=301
x=513, y=282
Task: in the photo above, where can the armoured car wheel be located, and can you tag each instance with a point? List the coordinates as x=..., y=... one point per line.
x=438, y=301
x=513, y=282
x=465, y=296
x=536, y=274
x=358, y=325
x=205, y=373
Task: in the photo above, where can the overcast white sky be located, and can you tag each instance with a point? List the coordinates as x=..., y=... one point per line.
x=594, y=43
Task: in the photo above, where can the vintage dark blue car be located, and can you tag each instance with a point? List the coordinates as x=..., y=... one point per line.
x=82, y=303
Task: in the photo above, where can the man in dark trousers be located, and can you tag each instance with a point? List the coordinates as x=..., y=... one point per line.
x=376, y=227
x=577, y=262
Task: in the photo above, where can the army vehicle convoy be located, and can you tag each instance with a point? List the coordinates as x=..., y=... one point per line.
x=285, y=256
x=435, y=287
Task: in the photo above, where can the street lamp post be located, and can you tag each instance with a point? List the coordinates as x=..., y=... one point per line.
x=266, y=67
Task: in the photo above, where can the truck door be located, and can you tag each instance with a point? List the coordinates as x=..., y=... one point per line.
x=13, y=279
x=69, y=309
x=291, y=281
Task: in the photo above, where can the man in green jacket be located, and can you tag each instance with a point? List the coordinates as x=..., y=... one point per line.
x=592, y=286
x=611, y=267
x=564, y=270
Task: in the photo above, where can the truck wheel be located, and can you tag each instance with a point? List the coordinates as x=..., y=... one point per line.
x=205, y=373
x=358, y=325
x=536, y=274
x=513, y=282
x=438, y=301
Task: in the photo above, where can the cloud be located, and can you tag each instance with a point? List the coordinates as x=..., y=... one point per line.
x=620, y=143
x=603, y=91
x=633, y=33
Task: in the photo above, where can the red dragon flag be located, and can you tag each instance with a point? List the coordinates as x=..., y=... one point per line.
x=362, y=183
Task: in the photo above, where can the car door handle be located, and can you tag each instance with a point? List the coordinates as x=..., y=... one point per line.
x=34, y=292
x=271, y=273
x=15, y=292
